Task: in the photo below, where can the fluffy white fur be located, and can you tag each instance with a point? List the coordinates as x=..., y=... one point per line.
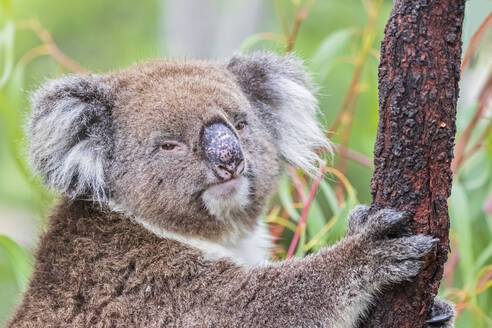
x=247, y=249
x=298, y=117
x=223, y=208
x=254, y=247
x=250, y=250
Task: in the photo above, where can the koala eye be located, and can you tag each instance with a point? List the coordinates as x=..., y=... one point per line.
x=168, y=146
x=240, y=126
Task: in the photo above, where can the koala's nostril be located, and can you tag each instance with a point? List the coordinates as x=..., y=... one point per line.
x=223, y=172
x=232, y=170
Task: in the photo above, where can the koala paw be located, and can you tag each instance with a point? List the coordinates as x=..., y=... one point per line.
x=399, y=259
x=357, y=219
x=388, y=223
x=384, y=221
x=442, y=314
x=396, y=254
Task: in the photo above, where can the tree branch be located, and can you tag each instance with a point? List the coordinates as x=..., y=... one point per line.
x=418, y=92
x=48, y=47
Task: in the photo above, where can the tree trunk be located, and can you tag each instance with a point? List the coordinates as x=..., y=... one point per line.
x=418, y=92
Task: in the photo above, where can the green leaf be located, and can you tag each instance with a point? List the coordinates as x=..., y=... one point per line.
x=19, y=259
x=460, y=220
x=340, y=227
x=300, y=250
x=328, y=51
x=330, y=196
x=316, y=220
x=286, y=198
x=484, y=256
x=473, y=173
x=6, y=52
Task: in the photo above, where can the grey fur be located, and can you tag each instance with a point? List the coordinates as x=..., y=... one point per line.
x=165, y=245
x=443, y=314
x=70, y=135
x=357, y=218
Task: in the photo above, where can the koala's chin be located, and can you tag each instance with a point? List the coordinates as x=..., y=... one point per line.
x=226, y=199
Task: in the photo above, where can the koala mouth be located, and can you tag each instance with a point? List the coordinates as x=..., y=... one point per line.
x=230, y=196
x=225, y=189
x=226, y=186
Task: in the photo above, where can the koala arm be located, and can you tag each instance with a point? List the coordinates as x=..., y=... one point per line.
x=317, y=291
x=329, y=289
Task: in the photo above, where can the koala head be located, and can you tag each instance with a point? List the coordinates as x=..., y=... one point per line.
x=193, y=147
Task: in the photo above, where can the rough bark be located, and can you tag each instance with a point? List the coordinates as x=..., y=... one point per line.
x=418, y=92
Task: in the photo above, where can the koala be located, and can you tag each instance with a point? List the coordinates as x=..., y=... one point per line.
x=164, y=169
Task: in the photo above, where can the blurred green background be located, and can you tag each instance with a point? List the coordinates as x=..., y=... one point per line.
x=339, y=41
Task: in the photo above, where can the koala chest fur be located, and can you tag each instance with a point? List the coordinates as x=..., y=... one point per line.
x=250, y=249
x=164, y=170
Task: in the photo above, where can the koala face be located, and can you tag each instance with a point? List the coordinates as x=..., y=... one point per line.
x=185, y=146
x=189, y=146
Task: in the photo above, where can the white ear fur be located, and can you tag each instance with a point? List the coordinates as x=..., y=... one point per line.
x=69, y=135
x=303, y=135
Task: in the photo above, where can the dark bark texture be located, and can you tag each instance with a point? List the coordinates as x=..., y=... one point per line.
x=418, y=92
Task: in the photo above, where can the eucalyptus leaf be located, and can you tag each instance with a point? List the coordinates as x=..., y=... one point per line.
x=330, y=196
x=328, y=52
x=286, y=198
x=458, y=209
x=6, y=52
x=20, y=260
x=316, y=220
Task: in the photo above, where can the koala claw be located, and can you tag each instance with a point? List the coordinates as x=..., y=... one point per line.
x=388, y=222
x=383, y=222
x=396, y=252
x=399, y=259
x=413, y=246
x=442, y=314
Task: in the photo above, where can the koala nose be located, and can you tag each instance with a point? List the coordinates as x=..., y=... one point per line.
x=223, y=151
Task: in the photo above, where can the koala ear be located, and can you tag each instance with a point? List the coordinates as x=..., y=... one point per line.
x=69, y=134
x=280, y=91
